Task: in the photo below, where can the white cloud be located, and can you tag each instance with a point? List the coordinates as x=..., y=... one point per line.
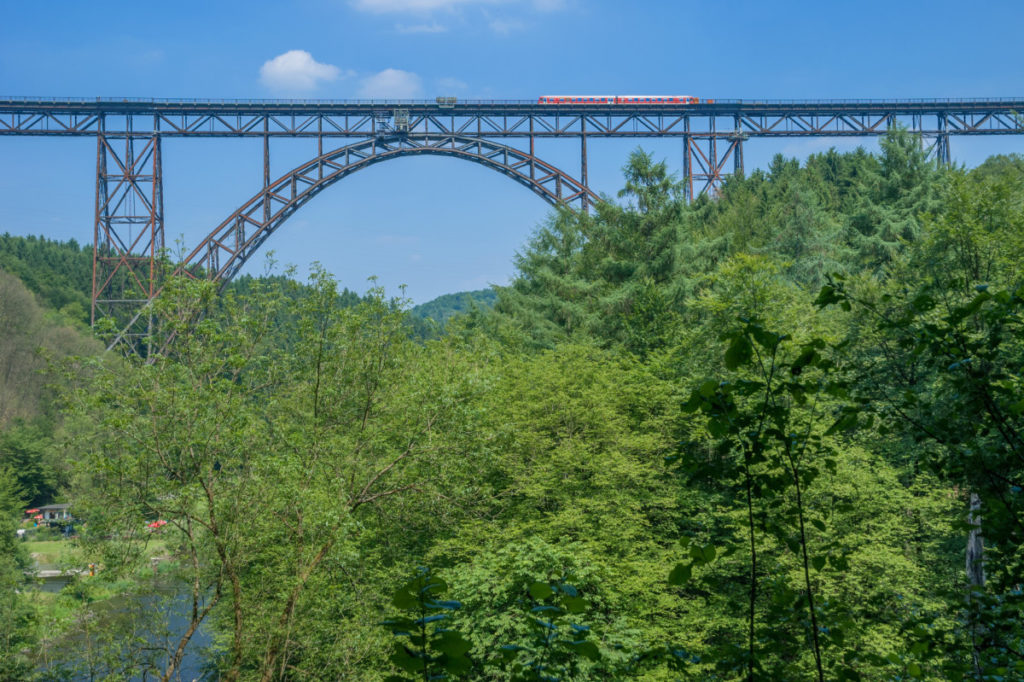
x=391, y=84
x=297, y=71
x=452, y=84
x=386, y=6
x=432, y=27
x=506, y=26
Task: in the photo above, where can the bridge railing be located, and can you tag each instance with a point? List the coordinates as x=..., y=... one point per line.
x=21, y=99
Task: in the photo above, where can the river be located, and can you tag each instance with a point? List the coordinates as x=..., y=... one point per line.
x=127, y=635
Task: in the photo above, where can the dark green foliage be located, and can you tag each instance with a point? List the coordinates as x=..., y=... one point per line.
x=558, y=644
x=16, y=623
x=28, y=452
x=59, y=273
x=746, y=438
x=965, y=410
x=425, y=647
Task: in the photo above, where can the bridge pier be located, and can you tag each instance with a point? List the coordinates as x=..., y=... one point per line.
x=583, y=158
x=942, y=150
x=705, y=162
x=128, y=226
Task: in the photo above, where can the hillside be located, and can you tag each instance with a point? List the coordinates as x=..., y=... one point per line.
x=59, y=273
x=442, y=308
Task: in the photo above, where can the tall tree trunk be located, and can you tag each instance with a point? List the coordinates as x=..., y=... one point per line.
x=975, y=579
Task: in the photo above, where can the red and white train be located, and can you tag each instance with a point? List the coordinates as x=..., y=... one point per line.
x=621, y=99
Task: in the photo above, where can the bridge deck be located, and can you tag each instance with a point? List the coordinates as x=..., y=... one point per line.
x=505, y=118
x=720, y=107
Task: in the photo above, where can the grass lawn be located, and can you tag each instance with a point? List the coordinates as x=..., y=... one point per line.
x=53, y=552
x=50, y=552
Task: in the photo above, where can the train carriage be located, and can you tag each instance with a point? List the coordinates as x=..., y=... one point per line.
x=618, y=99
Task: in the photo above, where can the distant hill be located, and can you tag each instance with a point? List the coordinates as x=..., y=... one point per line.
x=59, y=273
x=442, y=308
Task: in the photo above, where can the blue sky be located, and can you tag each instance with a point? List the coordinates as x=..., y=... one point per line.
x=436, y=224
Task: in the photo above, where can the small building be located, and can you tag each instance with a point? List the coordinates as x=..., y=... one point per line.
x=56, y=512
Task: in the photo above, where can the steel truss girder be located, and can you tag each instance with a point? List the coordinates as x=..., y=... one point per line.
x=505, y=119
x=226, y=249
x=638, y=125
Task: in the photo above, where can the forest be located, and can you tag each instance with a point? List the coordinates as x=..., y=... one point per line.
x=775, y=434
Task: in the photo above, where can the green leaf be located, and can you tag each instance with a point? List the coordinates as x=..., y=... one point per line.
x=452, y=643
x=403, y=658
x=403, y=599
x=680, y=575
x=818, y=562
x=846, y=422
x=575, y=604
x=435, y=586
x=587, y=649
x=738, y=353
x=694, y=403
x=457, y=665
x=807, y=357
x=539, y=590
x=764, y=338
x=718, y=427
x=827, y=296
x=708, y=388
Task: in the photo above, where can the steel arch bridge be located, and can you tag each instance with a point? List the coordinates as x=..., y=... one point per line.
x=128, y=235
x=223, y=253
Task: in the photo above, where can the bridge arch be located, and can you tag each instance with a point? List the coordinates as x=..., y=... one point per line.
x=227, y=248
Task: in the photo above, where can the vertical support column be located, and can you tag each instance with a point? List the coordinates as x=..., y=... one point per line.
x=533, y=158
x=320, y=147
x=917, y=128
x=128, y=230
x=713, y=163
x=156, y=250
x=737, y=153
x=266, y=173
x=101, y=221
x=157, y=246
x=687, y=163
x=942, y=150
x=704, y=167
x=583, y=161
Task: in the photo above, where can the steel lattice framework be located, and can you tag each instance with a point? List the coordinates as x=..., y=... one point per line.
x=501, y=135
x=228, y=247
